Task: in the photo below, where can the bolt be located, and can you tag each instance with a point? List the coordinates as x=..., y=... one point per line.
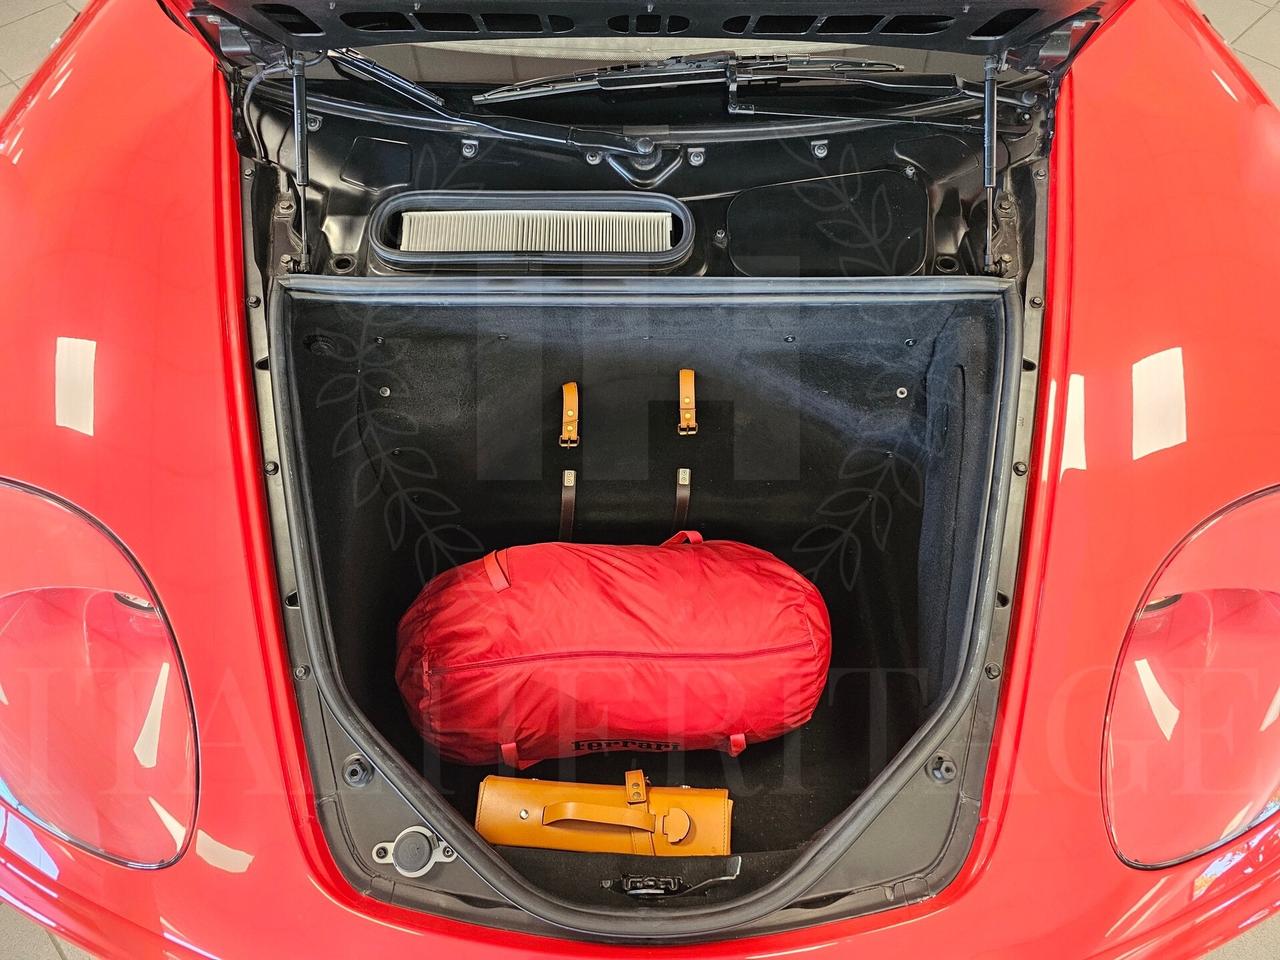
x=942, y=768
x=909, y=172
x=1040, y=174
x=356, y=771
x=593, y=157
x=901, y=393
x=272, y=468
x=313, y=122
x=910, y=341
x=722, y=235
x=1005, y=205
x=1037, y=301
x=1006, y=258
x=819, y=148
x=789, y=339
x=470, y=148
x=248, y=173
x=697, y=156
x=285, y=206
x=302, y=672
x=384, y=391
x=993, y=671
x=380, y=853
x=446, y=851
x=254, y=301
x=1020, y=468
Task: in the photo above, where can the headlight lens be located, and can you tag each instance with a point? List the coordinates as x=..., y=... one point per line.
x=1192, y=746
x=97, y=740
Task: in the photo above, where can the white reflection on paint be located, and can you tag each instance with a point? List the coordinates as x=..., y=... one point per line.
x=1225, y=86
x=1273, y=712
x=1073, y=457
x=1159, y=403
x=73, y=384
x=1162, y=708
x=21, y=840
x=220, y=855
x=171, y=823
x=148, y=742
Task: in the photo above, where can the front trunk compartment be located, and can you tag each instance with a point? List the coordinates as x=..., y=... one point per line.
x=847, y=427
x=862, y=393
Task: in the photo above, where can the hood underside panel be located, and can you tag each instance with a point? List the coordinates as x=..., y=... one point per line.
x=980, y=27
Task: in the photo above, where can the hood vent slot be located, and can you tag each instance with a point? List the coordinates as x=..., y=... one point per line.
x=439, y=228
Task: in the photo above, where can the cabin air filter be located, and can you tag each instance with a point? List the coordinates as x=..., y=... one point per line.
x=535, y=231
x=607, y=229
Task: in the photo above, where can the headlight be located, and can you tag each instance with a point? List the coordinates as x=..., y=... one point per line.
x=97, y=741
x=1192, y=745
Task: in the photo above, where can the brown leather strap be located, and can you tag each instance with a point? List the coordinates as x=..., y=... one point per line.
x=570, y=412
x=568, y=500
x=687, y=422
x=637, y=788
x=635, y=817
x=684, y=486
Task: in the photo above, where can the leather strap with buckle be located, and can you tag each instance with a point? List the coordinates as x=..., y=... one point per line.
x=687, y=423
x=570, y=413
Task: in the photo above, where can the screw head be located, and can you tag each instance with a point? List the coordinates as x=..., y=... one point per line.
x=820, y=148
x=271, y=467
x=248, y=173
x=524, y=814
x=901, y=393
x=384, y=391
x=697, y=156
x=1020, y=468
x=909, y=172
x=788, y=339
x=470, y=148
x=992, y=671
x=1037, y=301
x=594, y=157
x=254, y=301
x=301, y=672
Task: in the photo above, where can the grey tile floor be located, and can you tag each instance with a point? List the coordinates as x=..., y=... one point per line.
x=29, y=27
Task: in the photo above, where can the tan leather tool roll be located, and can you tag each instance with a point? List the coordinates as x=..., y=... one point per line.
x=601, y=818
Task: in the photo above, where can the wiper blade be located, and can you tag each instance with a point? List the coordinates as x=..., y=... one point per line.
x=351, y=63
x=722, y=68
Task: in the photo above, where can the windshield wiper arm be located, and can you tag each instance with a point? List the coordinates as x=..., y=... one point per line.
x=350, y=63
x=707, y=68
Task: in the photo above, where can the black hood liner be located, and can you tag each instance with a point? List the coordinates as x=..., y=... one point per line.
x=978, y=27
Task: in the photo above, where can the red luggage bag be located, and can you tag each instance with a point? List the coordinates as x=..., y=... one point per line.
x=563, y=649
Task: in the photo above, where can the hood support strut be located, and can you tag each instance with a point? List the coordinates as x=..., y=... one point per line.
x=301, y=178
x=989, y=181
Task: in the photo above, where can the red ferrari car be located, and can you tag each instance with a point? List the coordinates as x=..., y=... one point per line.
x=980, y=299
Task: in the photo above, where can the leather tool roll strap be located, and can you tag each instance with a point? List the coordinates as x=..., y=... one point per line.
x=602, y=818
x=570, y=413
x=687, y=423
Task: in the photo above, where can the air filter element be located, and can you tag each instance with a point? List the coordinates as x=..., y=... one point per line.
x=605, y=228
x=535, y=231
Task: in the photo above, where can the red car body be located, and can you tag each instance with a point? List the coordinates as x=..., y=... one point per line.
x=119, y=184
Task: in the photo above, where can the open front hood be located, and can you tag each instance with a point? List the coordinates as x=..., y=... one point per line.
x=1047, y=27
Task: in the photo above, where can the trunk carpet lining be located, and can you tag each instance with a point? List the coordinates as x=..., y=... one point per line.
x=431, y=437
